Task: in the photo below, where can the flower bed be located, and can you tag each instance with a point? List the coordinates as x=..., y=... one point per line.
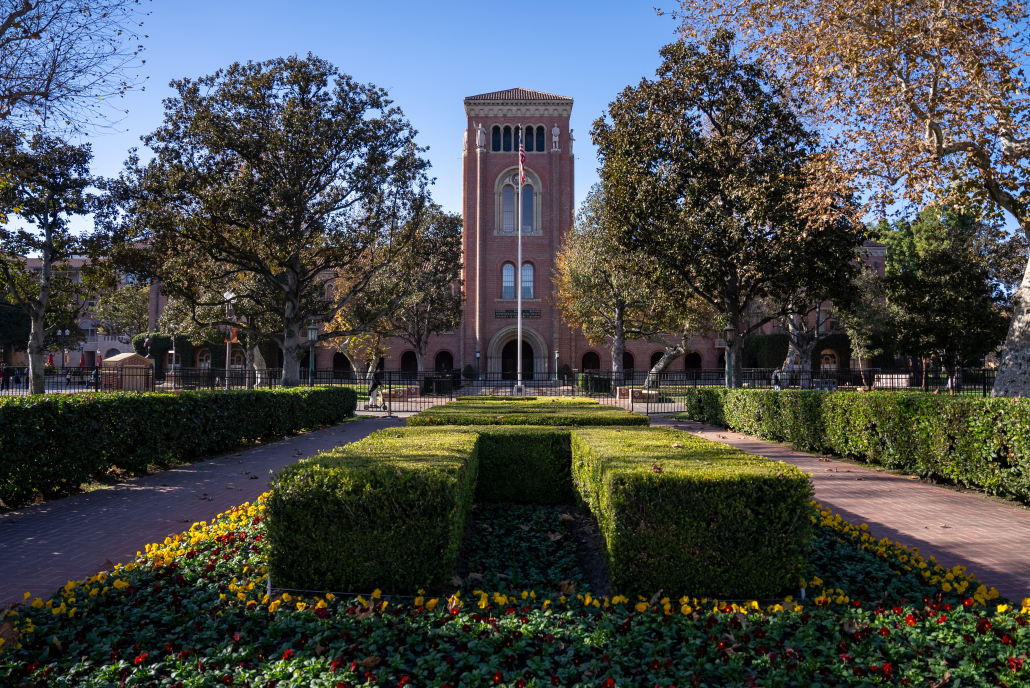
x=553, y=411
x=52, y=443
x=193, y=611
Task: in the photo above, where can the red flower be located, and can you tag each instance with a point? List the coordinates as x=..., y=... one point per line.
x=910, y=620
x=858, y=671
x=968, y=602
x=498, y=677
x=555, y=681
x=404, y=679
x=142, y=658
x=227, y=680
x=941, y=619
x=897, y=610
x=610, y=682
x=521, y=683
x=887, y=669
x=288, y=655
x=885, y=631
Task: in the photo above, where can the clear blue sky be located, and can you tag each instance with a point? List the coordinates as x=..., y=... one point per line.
x=428, y=55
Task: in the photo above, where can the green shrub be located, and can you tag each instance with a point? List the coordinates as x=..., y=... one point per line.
x=595, y=384
x=691, y=516
x=50, y=443
x=468, y=372
x=983, y=443
x=528, y=465
x=485, y=398
x=556, y=411
x=385, y=512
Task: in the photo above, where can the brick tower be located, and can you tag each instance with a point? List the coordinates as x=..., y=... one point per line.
x=489, y=199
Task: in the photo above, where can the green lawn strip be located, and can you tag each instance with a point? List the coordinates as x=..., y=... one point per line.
x=387, y=511
x=555, y=411
x=517, y=548
x=685, y=514
x=182, y=625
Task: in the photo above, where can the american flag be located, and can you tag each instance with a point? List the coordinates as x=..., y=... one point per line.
x=522, y=162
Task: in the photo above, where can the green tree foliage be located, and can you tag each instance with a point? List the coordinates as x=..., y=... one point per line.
x=275, y=176
x=15, y=326
x=47, y=185
x=714, y=176
x=125, y=310
x=942, y=298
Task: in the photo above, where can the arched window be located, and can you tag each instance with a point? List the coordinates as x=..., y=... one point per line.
x=627, y=360
x=508, y=226
x=495, y=137
x=111, y=352
x=444, y=361
x=591, y=361
x=409, y=364
x=540, y=139
x=530, y=139
x=829, y=360
x=237, y=359
x=527, y=209
x=655, y=357
x=507, y=138
x=341, y=367
x=692, y=361
x=204, y=359
x=527, y=281
x=508, y=281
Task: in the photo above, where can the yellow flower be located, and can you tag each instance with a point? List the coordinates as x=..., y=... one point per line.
x=419, y=600
x=27, y=596
x=274, y=606
x=37, y=603
x=641, y=607
x=686, y=609
x=377, y=593
x=431, y=604
x=287, y=598
x=301, y=606
x=329, y=596
x=946, y=587
x=1002, y=608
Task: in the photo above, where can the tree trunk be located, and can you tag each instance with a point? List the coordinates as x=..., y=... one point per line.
x=670, y=355
x=806, y=364
x=420, y=361
x=1014, y=369
x=737, y=352
x=291, y=356
x=36, y=351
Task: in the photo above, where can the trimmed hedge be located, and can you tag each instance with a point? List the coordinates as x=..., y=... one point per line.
x=691, y=516
x=50, y=443
x=389, y=511
x=977, y=442
x=528, y=465
x=385, y=512
x=556, y=411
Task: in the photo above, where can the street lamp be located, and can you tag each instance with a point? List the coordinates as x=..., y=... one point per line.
x=312, y=339
x=477, y=365
x=62, y=337
x=729, y=333
x=229, y=296
x=555, y=364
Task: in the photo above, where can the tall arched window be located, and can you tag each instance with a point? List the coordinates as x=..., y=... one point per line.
x=540, y=139
x=508, y=226
x=508, y=281
x=530, y=139
x=527, y=280
x=495, y=136
x=527, y=209
x=507, y=138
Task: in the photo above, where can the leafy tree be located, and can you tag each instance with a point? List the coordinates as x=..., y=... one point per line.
x=865, y=318
x=277, y=176
x=124, y=310
x=61, y=63
x=427, y=276
x=606, y=290
x=47, y=182
x=926, y=99
x=713, y=176
x=941, y=296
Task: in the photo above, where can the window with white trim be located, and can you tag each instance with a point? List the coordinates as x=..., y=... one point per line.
x=508, y=281
x=527, y=280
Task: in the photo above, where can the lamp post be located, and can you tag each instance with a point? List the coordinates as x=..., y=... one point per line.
x=729, y=333
x=62, y=337
x=555, y=364
x=312, y=339
x=477, y=365
x=229, y=296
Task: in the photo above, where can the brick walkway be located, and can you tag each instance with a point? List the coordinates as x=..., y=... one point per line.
x=991, y=538
x=44, y=546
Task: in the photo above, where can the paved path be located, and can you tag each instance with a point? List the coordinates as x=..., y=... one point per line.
x=44, y=546
x=991, y=538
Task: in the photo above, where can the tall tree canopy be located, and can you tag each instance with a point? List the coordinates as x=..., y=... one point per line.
x=924, y=98
x=276, y=177
x=123, y=310
x=47, y=182
x=714, y=176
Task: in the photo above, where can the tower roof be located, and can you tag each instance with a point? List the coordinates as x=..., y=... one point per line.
x=518, y=94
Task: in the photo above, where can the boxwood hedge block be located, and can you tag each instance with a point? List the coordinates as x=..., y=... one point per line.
x=50, y=442
x=557, y=411
x=528, y=465
x=385, y=512
x=691, y=516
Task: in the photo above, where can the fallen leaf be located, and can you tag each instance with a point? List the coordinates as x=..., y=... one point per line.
x=456, y=581
x=654, y=598
x=656, y=468
x=567, y=517
x=944, y=680
x=476, y=576
x=369, y=662
x=677, y=445
x=8, y=632
x=57, y=644
x=554, y=536
x=850, y=626
x=319, y=649
x=567, y=588
x=108, y=565
x=253, y=477
x=525, y=526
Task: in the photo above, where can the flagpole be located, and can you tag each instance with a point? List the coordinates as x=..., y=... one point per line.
x=518, y=271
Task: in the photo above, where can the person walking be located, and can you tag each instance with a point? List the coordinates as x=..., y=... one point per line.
x=373, y=391
x=777, y=380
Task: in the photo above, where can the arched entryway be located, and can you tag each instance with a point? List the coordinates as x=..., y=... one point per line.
x=722, y=359
x=444, y=361
x=342, y=369
x=692, y=361
x=655, y=357
x=409, y=364
x=627, y=361
x=829, y=360
x=509, y=370
x=495, y=351
x=591, y=361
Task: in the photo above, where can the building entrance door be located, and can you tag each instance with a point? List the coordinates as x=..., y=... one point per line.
x=508, y=371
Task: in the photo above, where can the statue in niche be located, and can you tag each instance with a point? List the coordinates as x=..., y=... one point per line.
x=480, y=136
x=572, y=140
x=465, y=142
x=554, y=136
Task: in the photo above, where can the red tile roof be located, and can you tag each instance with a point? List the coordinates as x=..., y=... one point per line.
x=517, y=94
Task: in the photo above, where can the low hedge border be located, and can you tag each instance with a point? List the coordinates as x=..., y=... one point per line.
x=53, y=443
x=981, y=443
x=677, y=512
x=555, y=411
x=687, y=515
